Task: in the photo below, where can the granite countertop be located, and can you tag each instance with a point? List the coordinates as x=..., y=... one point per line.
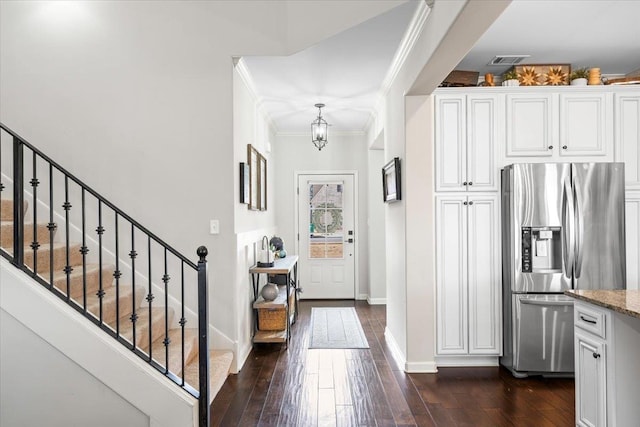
x=622, y=301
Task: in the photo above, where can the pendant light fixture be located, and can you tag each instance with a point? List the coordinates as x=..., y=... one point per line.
x=319, y=129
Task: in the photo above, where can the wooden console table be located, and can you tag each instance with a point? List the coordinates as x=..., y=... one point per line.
x=287, y=267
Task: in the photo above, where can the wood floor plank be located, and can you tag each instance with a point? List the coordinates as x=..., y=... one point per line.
x=296, y=386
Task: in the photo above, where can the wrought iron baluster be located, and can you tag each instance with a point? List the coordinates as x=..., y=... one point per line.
x=100, y=231
x=150, y=299
x=133, y=254
x=52, y=226
x=67, y=206
x=183, y=321
x=34, y=243
x=166, y=341
x=116, y=276
x=84, y=250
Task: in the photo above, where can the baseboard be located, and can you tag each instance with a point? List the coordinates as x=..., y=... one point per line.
x=397, y=354
x=362, y=297
x=241, y=356
x=421, y=367
x=463, y=361
x=377, y=301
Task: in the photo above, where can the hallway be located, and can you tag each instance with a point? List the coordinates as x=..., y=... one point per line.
x=302, y=387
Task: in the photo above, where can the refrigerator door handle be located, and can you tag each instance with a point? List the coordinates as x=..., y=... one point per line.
x=546, y=302
x=580, y=231
x=567, y=226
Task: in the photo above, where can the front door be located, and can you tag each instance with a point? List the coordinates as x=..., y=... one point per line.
x=326, y=241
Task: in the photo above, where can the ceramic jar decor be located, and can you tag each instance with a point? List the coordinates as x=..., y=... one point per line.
x=594, y=76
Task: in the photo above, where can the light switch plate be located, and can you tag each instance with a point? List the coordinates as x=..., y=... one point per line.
x=214, y=226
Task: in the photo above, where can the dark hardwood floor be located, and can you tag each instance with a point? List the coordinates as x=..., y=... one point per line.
x=302, y=387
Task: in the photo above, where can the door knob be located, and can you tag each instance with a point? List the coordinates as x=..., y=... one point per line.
x=596, y=355
x=349, y=241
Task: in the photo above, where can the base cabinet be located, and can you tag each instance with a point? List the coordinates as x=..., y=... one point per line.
x=607, y=381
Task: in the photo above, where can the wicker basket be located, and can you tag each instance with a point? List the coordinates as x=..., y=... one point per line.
x=272, y=319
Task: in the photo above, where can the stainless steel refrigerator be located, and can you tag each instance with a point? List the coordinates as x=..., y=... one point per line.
x=562, y=228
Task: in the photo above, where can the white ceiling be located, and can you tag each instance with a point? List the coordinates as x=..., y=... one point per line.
x=346, y=71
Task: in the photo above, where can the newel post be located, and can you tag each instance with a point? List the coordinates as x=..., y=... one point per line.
x=203, y=340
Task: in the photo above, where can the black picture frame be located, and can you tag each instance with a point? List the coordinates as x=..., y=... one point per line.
x=245, y=179
x=391, y=183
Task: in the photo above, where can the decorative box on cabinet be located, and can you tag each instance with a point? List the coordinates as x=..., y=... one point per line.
x=468, y=276
x=467, y=134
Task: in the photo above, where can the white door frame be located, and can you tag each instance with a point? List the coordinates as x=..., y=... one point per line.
x=356, y=228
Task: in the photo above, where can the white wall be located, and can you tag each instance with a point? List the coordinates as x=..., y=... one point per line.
x=69, y=396
x=450, y=30
x=136, y=99
x=344, y=152
x=376, y=229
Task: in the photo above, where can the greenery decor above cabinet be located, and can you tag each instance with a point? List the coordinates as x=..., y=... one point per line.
x=467, y=133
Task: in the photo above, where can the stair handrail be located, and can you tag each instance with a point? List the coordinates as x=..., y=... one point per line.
x=203, y=393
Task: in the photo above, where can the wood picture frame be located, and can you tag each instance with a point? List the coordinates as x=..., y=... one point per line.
x=262, y=204
x=253, y=159
x=391, y=183
x=245, y=179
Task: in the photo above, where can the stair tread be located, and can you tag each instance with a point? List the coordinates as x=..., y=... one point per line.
x=109, y=299
x=219, y=365
x=142, y=326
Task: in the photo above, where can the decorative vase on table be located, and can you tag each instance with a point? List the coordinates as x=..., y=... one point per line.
x=579, y=82
x=269, y=291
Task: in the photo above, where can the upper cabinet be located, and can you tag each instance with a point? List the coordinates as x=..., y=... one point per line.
x=627, y=131
x=559, y=125
x=467, y=133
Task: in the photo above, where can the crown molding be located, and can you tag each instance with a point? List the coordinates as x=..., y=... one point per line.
x=247, y=79
x=336, y=133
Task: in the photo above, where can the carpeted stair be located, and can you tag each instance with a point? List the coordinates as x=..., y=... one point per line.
x=220, y=361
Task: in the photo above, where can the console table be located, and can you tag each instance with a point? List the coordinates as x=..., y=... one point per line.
x=287, y=267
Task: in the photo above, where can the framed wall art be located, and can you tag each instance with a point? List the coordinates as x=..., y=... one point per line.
x=253, y=158
x=262, y=205
x=391, y=187
x=244, y=183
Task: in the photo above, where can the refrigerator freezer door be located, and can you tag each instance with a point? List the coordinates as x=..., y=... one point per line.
x=600, y=236
x=538, y=201
x=543, y=333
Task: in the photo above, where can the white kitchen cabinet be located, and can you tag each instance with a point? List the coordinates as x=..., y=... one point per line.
x=607, y=377
x=531, y=124
x=467, y=132
x=468, y=275
x=591, y=380
x=586, y=121
x=627, y=135
x=632, y=238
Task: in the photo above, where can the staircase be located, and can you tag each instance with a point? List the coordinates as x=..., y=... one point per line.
x=124, y=305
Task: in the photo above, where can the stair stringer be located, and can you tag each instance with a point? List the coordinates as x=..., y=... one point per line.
x=107, y=360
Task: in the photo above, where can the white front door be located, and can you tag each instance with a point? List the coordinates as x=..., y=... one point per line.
x=326, y=236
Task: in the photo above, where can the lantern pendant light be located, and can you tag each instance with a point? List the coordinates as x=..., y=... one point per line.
x=319, y=129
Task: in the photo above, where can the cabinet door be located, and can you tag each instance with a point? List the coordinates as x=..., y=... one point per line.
x=591, y=380
x=627, y=112
x=483, y=271
x=531, y=125
x=451, y=274
x=482, y=141
x=451, y=153
x=632, y=238
x=584, y=124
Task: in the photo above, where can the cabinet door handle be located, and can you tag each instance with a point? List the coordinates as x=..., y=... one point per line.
x=471, y=202
x=564, y=147
x=470, y=183
x=587, y=320
x=551, y=147
x=464, y=183
x=464, y=203
x=596, y=355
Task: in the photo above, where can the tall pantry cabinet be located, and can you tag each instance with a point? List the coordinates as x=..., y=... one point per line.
x=467, y=133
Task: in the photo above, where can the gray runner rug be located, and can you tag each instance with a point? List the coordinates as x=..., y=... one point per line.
x=336, y=327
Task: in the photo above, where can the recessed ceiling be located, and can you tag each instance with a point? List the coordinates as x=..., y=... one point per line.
x=345, y=72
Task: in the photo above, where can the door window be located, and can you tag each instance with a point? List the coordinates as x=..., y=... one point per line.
x=326, y=232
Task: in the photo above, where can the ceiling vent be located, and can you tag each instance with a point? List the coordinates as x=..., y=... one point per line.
x=507, y=59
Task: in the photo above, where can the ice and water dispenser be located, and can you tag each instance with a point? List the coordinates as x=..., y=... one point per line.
x=541, y=250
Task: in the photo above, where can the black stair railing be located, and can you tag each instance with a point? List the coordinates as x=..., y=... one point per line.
x=163, y=262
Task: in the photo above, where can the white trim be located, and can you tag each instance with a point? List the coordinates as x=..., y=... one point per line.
x=336, y=133
x=247, y=79
x=398, y=355
x=376, y=301
x=466, y=361
x=356, y=212
x=421, y=367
